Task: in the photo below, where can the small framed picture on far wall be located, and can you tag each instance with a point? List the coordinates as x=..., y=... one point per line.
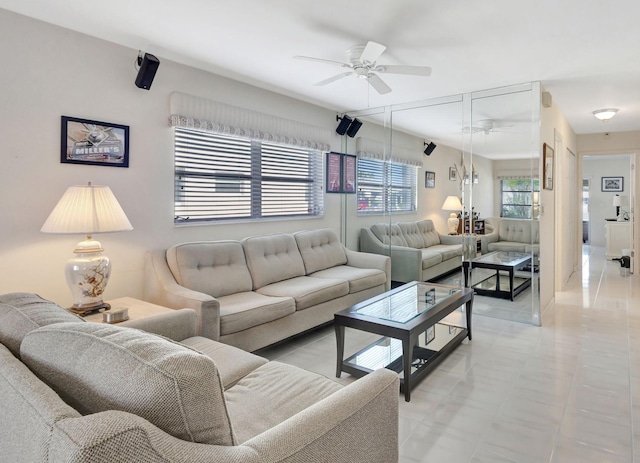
x=429, y=179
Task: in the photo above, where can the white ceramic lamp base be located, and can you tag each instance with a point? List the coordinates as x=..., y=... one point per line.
x=87, y=276
x=452, y=223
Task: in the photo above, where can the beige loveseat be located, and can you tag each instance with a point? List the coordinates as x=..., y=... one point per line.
x=73, y=391
x=418, y=252
x=516, y=235
x=266, y=288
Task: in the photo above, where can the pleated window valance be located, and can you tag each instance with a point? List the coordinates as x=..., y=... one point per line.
x=192, y=112
x=517, y=177
x=373, y=149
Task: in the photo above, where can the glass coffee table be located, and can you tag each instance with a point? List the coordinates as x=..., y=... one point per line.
x=420, y=324
x=503, y=283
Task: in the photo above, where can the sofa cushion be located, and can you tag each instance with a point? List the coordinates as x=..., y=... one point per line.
x=21, y=313
x=232, y=363
x=516, y=230
x=430, y=235
x=412, y=234
x=241, y=311
x=359, y=279
x=430, y=257
x=272, y=258
x=97, y=367
x=320, y=249
x=389, y=234
x=448, y=251
x=307, y=291
x=216, y=268
x=271, y=394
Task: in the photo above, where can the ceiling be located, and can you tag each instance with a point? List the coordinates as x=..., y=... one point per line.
x=584, y=52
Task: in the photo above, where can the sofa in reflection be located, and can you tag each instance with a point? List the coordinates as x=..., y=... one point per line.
x=418, y=251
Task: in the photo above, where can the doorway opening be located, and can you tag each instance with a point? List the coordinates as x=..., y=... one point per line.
x=586, y=207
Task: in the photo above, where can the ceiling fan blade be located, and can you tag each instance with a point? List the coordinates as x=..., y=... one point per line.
x=408, y=70
x=372, y=52
x=322, y=60
x=332, y=79
x=378, y=84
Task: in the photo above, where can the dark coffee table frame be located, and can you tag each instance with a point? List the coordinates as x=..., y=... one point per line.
x=510, y=269
x=407, y=332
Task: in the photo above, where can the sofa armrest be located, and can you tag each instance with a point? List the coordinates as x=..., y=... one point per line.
x=160, y=287
x=369, y=260
x=406, y=264
x=358, y=423
x=486, y=239
x=177, y=325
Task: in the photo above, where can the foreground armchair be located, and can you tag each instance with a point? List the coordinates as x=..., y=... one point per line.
x=74, y=391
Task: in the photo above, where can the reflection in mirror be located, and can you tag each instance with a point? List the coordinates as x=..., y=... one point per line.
x=504, y=133
x=484, y=152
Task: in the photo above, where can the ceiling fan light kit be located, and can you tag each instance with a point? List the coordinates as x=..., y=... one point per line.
x=362, y=64
x=605, y=114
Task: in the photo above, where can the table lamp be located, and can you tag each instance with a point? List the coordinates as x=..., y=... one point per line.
x=452, y=203
x=620, y=201
x=87, y=209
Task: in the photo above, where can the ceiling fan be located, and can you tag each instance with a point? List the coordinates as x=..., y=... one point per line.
x=363, y=64
x=487, y=126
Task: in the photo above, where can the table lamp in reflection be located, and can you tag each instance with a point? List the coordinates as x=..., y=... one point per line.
x=452, y=203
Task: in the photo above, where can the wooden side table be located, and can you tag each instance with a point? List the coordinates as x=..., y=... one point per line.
x=137, y=309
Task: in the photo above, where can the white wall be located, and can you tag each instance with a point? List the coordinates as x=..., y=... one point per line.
x=49, y=72
x=602, y=201
x=552, y=121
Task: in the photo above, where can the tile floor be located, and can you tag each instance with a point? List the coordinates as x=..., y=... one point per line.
x=568, y=391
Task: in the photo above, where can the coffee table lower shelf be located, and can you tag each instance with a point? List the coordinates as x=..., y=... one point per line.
x=387, y=353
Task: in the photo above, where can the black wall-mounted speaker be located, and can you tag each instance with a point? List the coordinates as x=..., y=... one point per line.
x=429, y=149
x=148, y=67
x=345, y=121
x=354, y=127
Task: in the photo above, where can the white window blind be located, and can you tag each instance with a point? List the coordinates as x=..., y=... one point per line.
x=386, y=187
x=220, y=177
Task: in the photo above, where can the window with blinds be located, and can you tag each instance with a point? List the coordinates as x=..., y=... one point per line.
x=519, y=198
x=220, y=178
x=386, y=187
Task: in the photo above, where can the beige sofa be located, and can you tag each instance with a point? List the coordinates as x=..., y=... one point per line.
x=73, y=391
x=517, y=235
x=418, y=252
x=266, y=288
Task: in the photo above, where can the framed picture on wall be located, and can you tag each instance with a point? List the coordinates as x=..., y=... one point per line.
x=453, y=173
x=341, y=173
x=88, y=142
x=612, y=184
x=334, y=166
x=547, y=167
x=429, y=179
x=348, y=173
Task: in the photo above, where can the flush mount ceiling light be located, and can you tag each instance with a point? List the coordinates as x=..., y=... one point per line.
x=605, y=114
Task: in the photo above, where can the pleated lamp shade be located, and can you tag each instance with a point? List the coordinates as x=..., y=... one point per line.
x=87, y=209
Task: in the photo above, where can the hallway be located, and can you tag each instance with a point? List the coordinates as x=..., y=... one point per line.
x=566, y=392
